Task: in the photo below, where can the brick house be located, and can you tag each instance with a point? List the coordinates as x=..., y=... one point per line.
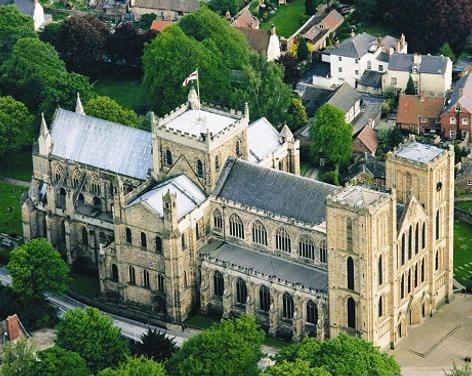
x=11, y=329
x=456, y=119
x=419, y=113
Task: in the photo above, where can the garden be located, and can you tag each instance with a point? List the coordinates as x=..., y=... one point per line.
x=288, y=18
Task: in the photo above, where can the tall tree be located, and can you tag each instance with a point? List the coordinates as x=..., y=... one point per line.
x=292, y=73
x=296, y=368
x=50, y=33
x=136, y=367
x=157, y=345
x=446, y=50
x=225, y=349
x=16, y=125
x=82, y=42
x=36, y=267
x=331, y=136
x=297, y=116
x=342, y=356
x=223, y=6
x=93, y=336
x=56, y=361
x=145, y=21
x=410, y=87
x=13, y=26
x=106, y=108
x=310, y=7
x=18, y=359
x=302, y=50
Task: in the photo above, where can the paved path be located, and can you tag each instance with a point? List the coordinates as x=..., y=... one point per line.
x=20, y=183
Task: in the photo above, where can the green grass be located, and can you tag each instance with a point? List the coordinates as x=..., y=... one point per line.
x=10, y=208
x=463, y=252
x=466, y=205
x=86, y=285
x=275, y=342
x=17, y=165
x=200, y=321
x=288, y=18
x=126, y=91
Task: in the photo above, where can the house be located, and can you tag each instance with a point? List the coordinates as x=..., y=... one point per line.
x=365, y=141
x=318, y=28
x=464, y=176
x=11, y=330
x=367, y=170
x=245, y=19
x=432, y=75
x=355, y=56
x=419, y=114
x=159, y=25
x=264, y=42
x=31, y=8
x=456, y=119
x=171, y=10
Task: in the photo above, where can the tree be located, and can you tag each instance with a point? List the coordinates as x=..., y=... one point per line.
x=50, y=33
x=331, y=136
x=106, y=108
x=56, y=361
x=16, y=125
x=93, y=336
x=18, y=359
x=291, y=72
x=466, y=370
x=302, y=50
x=310, y=7
x=156, y=345
x=297, y=116
x=297, y=368
x=145, y=21
x=36, y=267
x=82, y=42
x=223, y=6
x=136, y=367
x=13, y=26
x=446, y=50
x=410, y=87
x=225, y=348
x=468, y=44
x=341, y=356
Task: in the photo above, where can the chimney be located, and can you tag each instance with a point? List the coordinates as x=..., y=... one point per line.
x=379, y=41
x=353, y=33
x=416, y=58
x=13, y=327
x=272, y=30
x=461, y=92
x=336, y=44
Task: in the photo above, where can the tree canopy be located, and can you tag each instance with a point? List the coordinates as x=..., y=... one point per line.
x=56, y=361
x=302, y=50
x=93, y=336
x=310, y=7
x=446, y=50
x=36, y=267
x=223, y=6
x=136, y=367
x=331, y=136
x=225, y=349
x=296, y=368
x=18, y=359
x=341, y=356
x=16, y=125
x=13, y=26
x=106, y=108
x=410, y=87
x=156, y=345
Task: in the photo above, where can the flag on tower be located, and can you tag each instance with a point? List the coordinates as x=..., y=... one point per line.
x=192, y=77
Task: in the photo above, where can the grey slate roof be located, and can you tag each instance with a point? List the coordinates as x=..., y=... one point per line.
x=353, y=47
x=185, y=6
x=273, y=191
x=464, y=84
x=418, y=152
x=314, y=97
x=429, y=64
x=24, y=6
x=100, y=143
x=371, y=78
x=344, y=97
x=270, y=265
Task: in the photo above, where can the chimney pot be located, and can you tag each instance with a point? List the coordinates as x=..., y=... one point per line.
x=13, y=327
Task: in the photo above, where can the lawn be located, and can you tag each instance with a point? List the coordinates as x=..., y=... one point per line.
x=288, y=18
x=466, y=205
x=463, y=252
x=18, y=165
x=10, y=208
x=85, y=284
x=200, y=321
x=126, y=91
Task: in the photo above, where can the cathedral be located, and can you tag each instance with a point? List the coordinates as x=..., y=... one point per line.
x=208, y=211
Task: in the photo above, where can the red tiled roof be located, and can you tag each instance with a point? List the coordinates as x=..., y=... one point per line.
x=412, y=107
x=246, y=19
x=159, y=26
x=368, y=139
x=333, y=20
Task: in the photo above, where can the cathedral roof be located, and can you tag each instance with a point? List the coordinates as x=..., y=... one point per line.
x=358, y=196
x=188, y=196
x=263, y=139
x=100, y=143
x=418, y=152
x=274, y=191
x=258, y=262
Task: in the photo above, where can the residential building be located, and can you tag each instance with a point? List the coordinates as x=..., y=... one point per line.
x=170, y=10
x=11, y=330
x=160, y=25
x=197, y=224
x=32, y=8
x=464, y=176
x=456, y=119
x=264, y=42
x=432, y=75
x=419, y=114
x=245, y=19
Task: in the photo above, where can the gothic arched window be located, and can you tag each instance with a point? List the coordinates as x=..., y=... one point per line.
x=264, y=299
x=311, y=312
x=160, y=283
x=238, y=148
x=236, y=227
x=146, y=281
x=143, y=240
x=81, y=199
x=95, y=185
x=350, y=273
x=84, y=236
x=287, y=306
x=351, y=313
x=410, y=239
x=306, y=247
x=129, y=236
x=217, y=220
x=436, y=260
x=199, y=168
x=423, y=236
x=217, y=162
x=380, y=270
x=241, y=291
x=158, y=244
x=323, y=252
x=76, y=178
x=402, y=287
x=97, y=203
x=417, y=244
x=132, y=275
x=218, y=284
x=282, y=240
x=114, y=273
x=380, y=307
x=349, y=234
x=437, y=224
x=168, y=157
x=259, y=233
x=403, y=249
x=422, y=270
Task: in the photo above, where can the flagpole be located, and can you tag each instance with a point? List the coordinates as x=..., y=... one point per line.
x=198, y=94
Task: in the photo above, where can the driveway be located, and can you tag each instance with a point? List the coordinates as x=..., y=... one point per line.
x=441, y=340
